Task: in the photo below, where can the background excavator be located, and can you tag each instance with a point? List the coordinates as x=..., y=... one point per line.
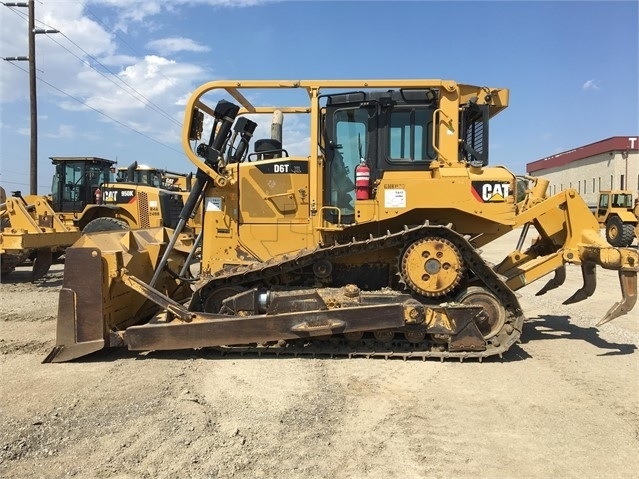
x=366, y=246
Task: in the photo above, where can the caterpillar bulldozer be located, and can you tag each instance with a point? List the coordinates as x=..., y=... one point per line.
x=85, y=198
x=366, y=246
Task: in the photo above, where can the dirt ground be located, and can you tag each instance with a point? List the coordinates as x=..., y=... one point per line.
x=563, y=403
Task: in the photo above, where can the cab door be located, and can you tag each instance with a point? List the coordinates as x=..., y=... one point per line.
x=602, y=207
x=348, y=141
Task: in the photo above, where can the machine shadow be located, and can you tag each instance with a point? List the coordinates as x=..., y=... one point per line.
x=24, y=276
x=546, y=326
x=542, y=327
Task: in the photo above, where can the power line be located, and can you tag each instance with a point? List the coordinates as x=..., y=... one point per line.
x=102, y=113
x=147, y=102
x=155, y=107
x=14, y=183
x=17, y=12
x=13, y=172
x=130, y=90
x=137, y=53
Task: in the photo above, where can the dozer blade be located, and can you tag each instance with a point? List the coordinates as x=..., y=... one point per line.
x=80, y=328
x=99, y=299
x=590, y=284
x=628, y=282
x=554, y=282
x=41, y=263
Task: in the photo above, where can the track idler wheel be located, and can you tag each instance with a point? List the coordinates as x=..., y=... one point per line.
x=213, y=302
x=431, y=266
x=491, y=320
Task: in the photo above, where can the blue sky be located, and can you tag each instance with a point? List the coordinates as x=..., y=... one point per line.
x=571, y=67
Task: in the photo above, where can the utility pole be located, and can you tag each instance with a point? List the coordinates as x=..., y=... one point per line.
x=33, y=98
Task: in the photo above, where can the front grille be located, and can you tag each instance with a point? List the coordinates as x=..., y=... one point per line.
x=143, y=201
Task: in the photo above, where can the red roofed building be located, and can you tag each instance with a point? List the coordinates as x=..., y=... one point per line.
x=608, y=164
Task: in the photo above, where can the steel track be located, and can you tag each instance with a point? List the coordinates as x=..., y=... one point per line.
x=482, y=275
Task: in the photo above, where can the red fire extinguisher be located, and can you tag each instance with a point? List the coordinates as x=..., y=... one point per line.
x=362, y=180
x=98, y=196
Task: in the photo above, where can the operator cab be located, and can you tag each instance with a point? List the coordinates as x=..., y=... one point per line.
x=388, y=131
x=76, y=180
x=140, y=175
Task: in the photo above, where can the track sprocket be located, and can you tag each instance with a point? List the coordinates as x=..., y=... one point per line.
x=431, y=266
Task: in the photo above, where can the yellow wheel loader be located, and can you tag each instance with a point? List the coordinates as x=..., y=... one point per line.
x=31, y=229
x=366, y=245
x=85, y=194
x=85, y=198
x=617, y=213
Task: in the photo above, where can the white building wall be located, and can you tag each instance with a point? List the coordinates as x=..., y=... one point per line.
x=608, y=170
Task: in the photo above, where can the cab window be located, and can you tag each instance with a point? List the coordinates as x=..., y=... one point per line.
x=411, y=135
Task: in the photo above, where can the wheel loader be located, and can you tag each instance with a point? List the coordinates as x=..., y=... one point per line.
x=85, y=195
x=367, y=245
x=31, y=230
x=617, y=213
x=157, y=178
x=85, y=198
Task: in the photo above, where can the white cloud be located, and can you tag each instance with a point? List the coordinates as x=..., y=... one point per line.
x=170, y=45
x=63, y=131
x=591, y=85
x=142, y=93
x=117, y=60
x=91, y=81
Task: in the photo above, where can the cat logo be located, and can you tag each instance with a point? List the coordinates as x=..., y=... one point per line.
x=110, y=196
x=118, y=196
x=491, y=191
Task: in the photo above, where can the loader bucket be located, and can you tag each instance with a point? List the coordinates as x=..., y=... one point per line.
x=94, y=303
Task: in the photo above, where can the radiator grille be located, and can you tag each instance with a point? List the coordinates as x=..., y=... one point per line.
x=143, y=199
x=475, y=135
x=475, y=139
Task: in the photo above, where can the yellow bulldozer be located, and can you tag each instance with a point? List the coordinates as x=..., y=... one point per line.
x=366, y=245
x=86, y=198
